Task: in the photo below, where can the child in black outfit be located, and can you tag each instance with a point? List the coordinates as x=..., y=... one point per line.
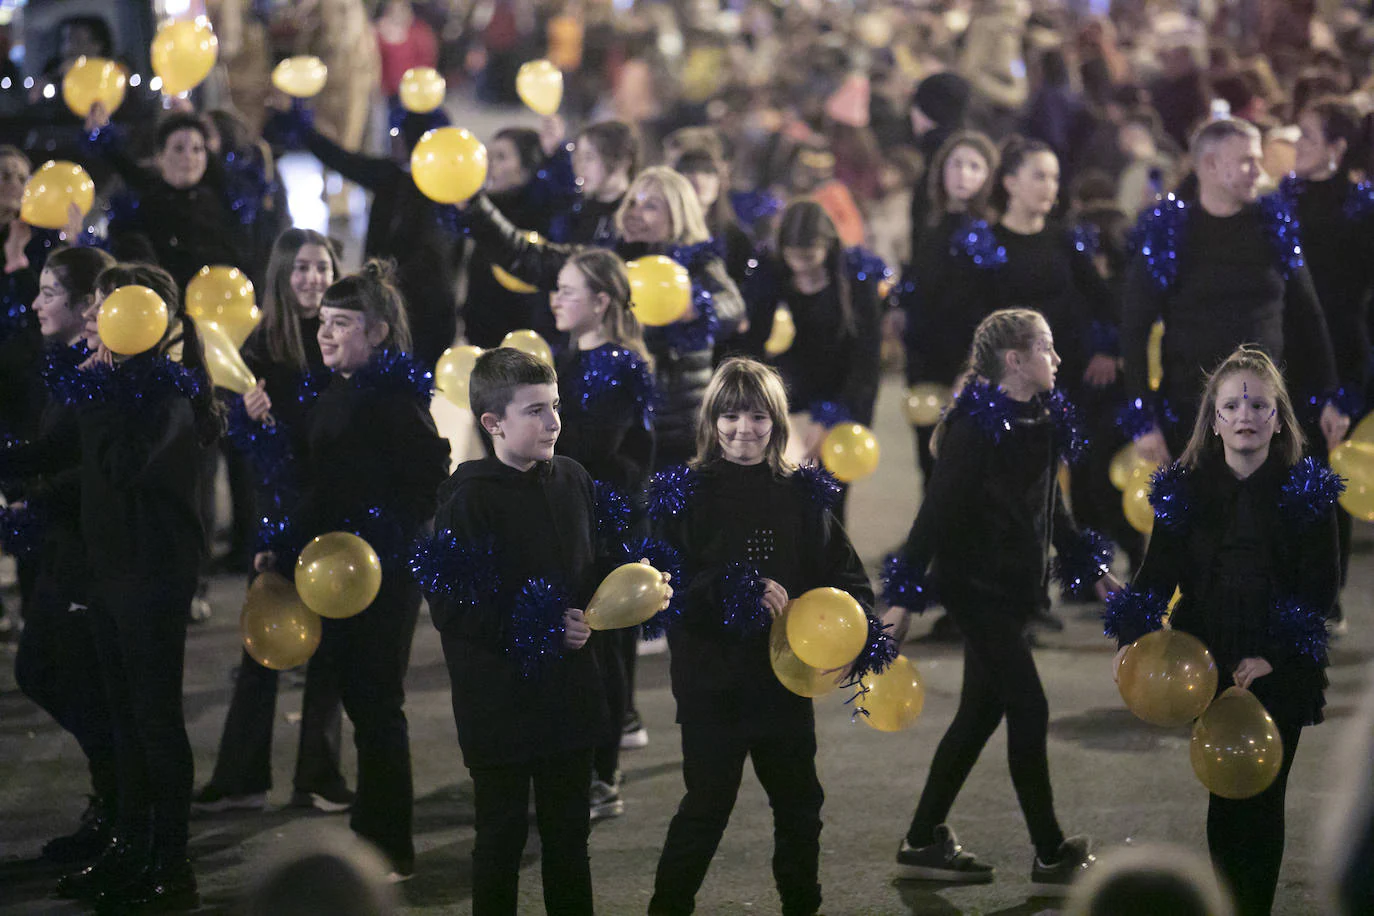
x=991, y=509
x=513, y=563
x=751, y=530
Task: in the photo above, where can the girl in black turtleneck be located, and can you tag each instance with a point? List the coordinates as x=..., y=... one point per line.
x=283, y=353
x=370, y=462
x=991, y=510
x=1245, y=529
x=751, y=529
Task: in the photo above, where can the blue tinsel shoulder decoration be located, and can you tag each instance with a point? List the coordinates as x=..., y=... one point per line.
x=1130, y=614
x=1159, y=234
x=695, y=256
x=818, y=485
x=701, y=332
x=1171, y=496
x=670, y=491
x=392, y=371
x=987, y=406
x=1068, y=427
x=1281, y=227
x=534, y=636
x=611, y=369
x=312, y=384
x=1085, y=239
x=1310, y=492
x=132, y=382
x=1359, y=204
x=975, y=240
x=751, y=207
x=865, y=265
x=60, y=373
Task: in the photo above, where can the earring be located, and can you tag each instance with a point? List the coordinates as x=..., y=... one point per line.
x=1335, y=163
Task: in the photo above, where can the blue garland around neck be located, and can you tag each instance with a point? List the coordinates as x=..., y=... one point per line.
x=389, y=371
x=996, y=414
x=130, y=383
x=976, y=241
x=609, y=369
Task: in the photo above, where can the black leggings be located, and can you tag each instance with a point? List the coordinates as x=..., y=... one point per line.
x=614, y=651
x=999, y=680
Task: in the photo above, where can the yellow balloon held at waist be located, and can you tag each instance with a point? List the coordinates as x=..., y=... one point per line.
x=1167, y=678
x=449, y=165
x=91, y=80
x=183, y=54
x=793, y=673
x=338, y=575
x=782, y=334
x=1236, y=749
x=131, y=320
x=422, y=90
x=223, y=296
x=850, y=452
x=630, y=595
x=301, y=77
x=51, y=190
x=527, y=341
x=826, y=628
x=540, y=86
x=278, y=630
x=892, y=701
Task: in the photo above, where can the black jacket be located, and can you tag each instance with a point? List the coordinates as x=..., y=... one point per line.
x=21, y=345
x=945, y=296
x=536, y=524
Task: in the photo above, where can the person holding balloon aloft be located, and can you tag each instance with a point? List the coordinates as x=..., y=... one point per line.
x=750, y=530
x=144, y=417
x=991, y=511
x=1245, y=530
x=370, y=463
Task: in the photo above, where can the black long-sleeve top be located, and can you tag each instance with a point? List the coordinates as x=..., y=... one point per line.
x=1234, y=554
x=945, y=295
x=1230, y=289
x=585, y=222
x=490, y=311
x=287, y=386
x=21, y=345
x=536, y=524
x=606, y=396
x=1047, y=272
x=773, y=525
x=283, y=378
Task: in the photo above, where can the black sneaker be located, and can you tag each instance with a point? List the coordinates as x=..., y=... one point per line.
x=1070, y=863
x=90, y=838
x=943, y=860
x=330, y=800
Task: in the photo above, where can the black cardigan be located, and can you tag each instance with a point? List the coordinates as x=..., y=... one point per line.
x=945, y=295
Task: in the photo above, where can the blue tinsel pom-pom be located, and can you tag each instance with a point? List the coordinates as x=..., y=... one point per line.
x=394, y=371
x=698, y=334
x=1136, y=418
x=1160, y=232
x=865, y=265
x=460, y=570
x=741, y=600
x=1281, y=226
x=268, y=448
x=535, y=635
x=1068, y=427
x=1310, y=492
x=903, y=585
x=752, y=206
x=988, y=406
x=670, y=490
x=665, y=558
x=1131, y=614
x=1084, y=563
x=1301, y=628
x=977, y=242
x=819, y=485
x=615, y=513
x=611, y=369
x=880, y=650
x=1170, y=496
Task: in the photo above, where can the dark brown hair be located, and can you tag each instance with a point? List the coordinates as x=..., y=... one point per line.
x=742, y=384
x=981, y=144
x=281, y=319
x=1015, y=151
x=804, y=224
x=616, y=143
x=496, y=375
x=77, y=270
x=373, y=292
x=1341, y=120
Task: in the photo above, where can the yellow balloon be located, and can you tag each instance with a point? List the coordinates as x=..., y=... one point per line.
x=1354, y=461
x=452, y=372
x=50, y=190
x=301, y=77
x=850, y=452
x=1154, y=355
x=540, y=86
x=1364, y=431
x=278, y=630
x=132, y=319
x=223, y=360
x=926, y=402
x=91, y=80
x=528, y=342
x=660, y=290
x=630, y=595
x=184, y=53
x=793, y=673
x=449, y=165
x=223, y=296
x=1135, y=500
x=338, y=575
x=784, y=332
x=894, y=699
x=1167, y=678
x=826, y=628
x=511, y=282
x=1236, y=749
x=422, y=90
x=1125, y=463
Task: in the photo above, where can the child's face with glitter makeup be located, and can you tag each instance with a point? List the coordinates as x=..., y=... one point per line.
x=1246, y=415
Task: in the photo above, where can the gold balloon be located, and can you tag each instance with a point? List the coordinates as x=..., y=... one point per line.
x=449, y=165
x=1167, y=678
x=132, y=319
x=301, y=77
x=1135, y=500
x=1124, y=465
x=223, y=360
x=630, y=595
x=512, y=282
x=1236, y=749
x=278, y=630
x=660, y=290
x=224, y=297
x=1364, y=431
x=826, y=628
x=422, y=90
x=895, y=698
x=184, y=53
x=1354, y=461
x=1154, y=355
x=540, y=86
x=338, y=575
x=850, y=452
x=783, y=333
x=91, y=80
x=51, y=189
x=926, y=402
x=793, y=673
x=528, y=342
x=453, y=371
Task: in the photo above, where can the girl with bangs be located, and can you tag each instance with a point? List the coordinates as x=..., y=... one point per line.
x=751, y=530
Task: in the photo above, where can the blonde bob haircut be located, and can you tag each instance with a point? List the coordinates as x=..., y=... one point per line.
x=741, y=385
x=684, y=208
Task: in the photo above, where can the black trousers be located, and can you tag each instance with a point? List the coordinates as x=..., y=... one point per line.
x=614, y=651
x=1245, y=836
x=57, y=667
x=502, y=800
x=713, y=754
x=1000, y=679
x=140, y=636
x=367, y=656
x=244, y=763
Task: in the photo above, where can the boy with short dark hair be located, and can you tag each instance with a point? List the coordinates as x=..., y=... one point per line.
x=513, y=560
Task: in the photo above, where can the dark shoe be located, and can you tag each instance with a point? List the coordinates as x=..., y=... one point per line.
x=212, y=800
x=162, y=887
x=605, y=800
x=93, y=835
x=116, y=866
x=1070, y=863
x=943, y=860
x=331, y=800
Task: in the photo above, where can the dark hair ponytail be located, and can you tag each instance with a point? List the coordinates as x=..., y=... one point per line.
x=1015, y=151
x=805, y=223
x=373, y=292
